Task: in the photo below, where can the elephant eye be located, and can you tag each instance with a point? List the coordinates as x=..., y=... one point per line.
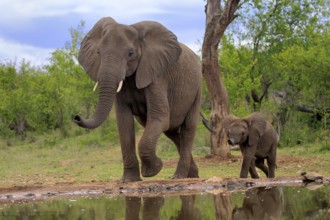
x=130, y=54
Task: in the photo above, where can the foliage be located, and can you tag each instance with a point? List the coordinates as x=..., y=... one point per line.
x=235, y=62
x=17, y=90
x=275, y=59
x=41, y=100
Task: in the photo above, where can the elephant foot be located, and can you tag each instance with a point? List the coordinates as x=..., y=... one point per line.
x=193, y=172
x=131, y=175
x=151, y=167
x=190, y=175
x=182, y=172
x=130, y=179
x=178, y=176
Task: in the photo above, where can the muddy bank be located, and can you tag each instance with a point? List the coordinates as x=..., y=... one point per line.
x=214, y=185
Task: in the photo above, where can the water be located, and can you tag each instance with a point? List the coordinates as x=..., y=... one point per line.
x=256, y=203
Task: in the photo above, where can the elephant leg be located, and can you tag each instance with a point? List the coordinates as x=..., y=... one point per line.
x=187, y=134
x=125, y=124
x=150, y=163
x=248, y=158
x=156, y=123
x=253, y=170
x=271, y=162
x=245, y=167
x=175, y=137
x=261, y=165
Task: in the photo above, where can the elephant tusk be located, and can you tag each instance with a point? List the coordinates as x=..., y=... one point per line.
x=96, y=84
x=120, y=85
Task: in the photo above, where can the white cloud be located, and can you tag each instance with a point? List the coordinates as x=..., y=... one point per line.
x=24, y=18
x=23, y=10
x=12, y=51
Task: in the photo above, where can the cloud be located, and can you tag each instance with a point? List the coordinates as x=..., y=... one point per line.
x=13, y=51
x=23, y=10
x=32, y=29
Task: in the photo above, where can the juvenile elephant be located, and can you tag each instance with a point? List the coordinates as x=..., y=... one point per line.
x=159, y=83
x=257, y=140
x=261, y=203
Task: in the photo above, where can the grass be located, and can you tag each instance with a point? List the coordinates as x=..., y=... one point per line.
x=52, y=160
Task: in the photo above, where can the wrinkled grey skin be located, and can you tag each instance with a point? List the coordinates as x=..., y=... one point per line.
x=161, y=90
x=261, y=203
x=257, y=140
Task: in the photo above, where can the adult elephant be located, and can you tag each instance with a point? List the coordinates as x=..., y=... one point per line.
x=161, y=88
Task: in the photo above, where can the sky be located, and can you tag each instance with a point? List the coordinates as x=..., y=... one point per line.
x=32, y=29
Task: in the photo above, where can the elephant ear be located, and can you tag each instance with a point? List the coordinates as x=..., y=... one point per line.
x=228, y=121
x=88, y=55
x=257, y=126
x=160, y=51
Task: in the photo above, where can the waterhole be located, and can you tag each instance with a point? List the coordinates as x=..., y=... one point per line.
x=277, y=202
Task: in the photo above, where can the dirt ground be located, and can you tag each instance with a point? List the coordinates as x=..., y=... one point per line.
x=50, y=190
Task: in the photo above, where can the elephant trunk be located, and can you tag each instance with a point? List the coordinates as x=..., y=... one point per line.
x=107, y=93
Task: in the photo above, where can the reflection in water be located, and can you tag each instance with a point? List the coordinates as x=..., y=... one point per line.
x=152, y=205
x=132, y=207
x=151, y=208
x=261, y=203
x=188, y=209
x=256, y=203
x=223, y=206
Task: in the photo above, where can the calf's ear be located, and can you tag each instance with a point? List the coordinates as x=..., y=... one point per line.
x=257, y=126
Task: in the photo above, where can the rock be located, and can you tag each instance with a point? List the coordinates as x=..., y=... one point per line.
x=9, y=196
x=30, y=196
x=319, y=181
x=313, y=186
x=312, y=176
x=327, y=180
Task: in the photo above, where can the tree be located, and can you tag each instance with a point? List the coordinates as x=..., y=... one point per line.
x=65, y=75
x=270, y=27
x=217, y=20
x=282, y=48
x=44, y=99
x=305, y=77
x=81, y=79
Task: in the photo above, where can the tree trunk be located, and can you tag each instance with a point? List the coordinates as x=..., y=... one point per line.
x=217, y=20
